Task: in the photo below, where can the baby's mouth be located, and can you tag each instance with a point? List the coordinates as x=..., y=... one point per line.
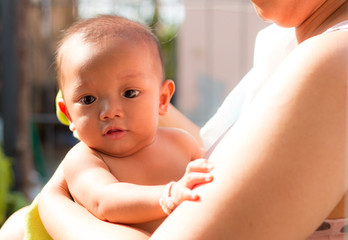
x=115, y=133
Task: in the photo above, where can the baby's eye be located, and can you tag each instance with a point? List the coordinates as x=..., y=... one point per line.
x=131, y=93
x=87, y=100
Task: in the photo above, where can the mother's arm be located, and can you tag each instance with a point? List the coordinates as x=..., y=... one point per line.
x=66, y=220
x=282, y=168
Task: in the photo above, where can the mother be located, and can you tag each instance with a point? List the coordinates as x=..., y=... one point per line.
x=280, y=171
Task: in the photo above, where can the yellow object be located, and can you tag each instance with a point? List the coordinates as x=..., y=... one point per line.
x=34, y=229
x=61, y=117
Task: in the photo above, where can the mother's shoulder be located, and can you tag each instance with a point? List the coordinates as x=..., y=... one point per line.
x=313, y=76
x=318, y=61
x=327, y=51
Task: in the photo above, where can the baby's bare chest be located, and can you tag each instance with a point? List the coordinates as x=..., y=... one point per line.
x=155, y=167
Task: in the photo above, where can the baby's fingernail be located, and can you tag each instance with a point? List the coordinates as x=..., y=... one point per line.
x=194, y=196
x=208, y=177
x=210, y=166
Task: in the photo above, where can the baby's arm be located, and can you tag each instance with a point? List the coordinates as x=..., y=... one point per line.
x=65, y=220
x=94, y=187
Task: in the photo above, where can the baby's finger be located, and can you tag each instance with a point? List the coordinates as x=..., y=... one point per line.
x=195, y=178
x=199, y=165
x=188, y=194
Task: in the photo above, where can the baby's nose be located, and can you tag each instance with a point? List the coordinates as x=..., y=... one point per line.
x=111, y=111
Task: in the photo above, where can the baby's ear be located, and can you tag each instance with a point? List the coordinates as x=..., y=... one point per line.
x=167, y=91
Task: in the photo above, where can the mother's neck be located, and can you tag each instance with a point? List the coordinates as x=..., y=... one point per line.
x=327, y=15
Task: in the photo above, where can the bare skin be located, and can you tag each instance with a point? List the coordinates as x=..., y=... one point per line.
x=297, y=178
x=13, y=228
x=113, y=94
x=284, y=162
x=57, y=191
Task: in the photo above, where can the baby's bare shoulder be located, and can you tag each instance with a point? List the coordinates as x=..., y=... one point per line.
x=80, y=150
x=182, y=140
x=175, y=135
x=80, y=157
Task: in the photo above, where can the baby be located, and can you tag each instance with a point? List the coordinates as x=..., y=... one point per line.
x=125, y=169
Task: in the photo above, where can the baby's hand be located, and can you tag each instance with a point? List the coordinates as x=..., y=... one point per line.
x=197, y=172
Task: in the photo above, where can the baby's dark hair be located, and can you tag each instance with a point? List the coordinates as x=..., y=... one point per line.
x=104, y=27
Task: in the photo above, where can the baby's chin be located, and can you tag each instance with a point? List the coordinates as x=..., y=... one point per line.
x=123, y=149
x=123, y=152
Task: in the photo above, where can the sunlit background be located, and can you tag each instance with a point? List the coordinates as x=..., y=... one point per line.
x=207, y=46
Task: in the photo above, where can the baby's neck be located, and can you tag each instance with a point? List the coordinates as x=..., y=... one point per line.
x=133, y=153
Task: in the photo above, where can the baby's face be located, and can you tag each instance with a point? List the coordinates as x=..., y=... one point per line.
x=112, y=93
